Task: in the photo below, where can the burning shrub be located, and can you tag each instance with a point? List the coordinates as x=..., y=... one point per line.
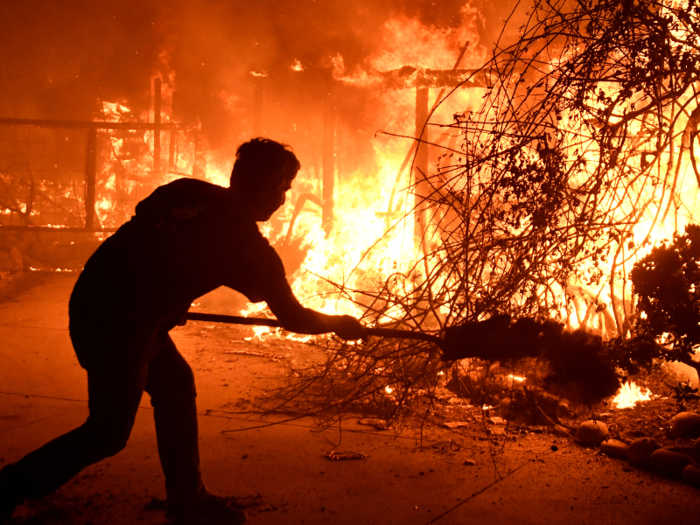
x=667, y=284
x=583, y=146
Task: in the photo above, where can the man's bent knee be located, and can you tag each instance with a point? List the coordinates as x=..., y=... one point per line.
x=107, y=439
x=171, y=381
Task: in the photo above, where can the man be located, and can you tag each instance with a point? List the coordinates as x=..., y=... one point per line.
x=186, y=239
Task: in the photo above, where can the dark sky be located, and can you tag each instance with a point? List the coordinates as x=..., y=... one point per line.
x=59, y=57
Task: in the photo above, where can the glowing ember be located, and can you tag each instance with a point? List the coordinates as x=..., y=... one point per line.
x=259, y=332
x=630, y=394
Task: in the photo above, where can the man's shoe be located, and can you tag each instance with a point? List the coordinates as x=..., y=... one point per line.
x=205, y=510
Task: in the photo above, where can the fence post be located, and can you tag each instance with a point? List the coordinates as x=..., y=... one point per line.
x=156, y=124
x=90, y=177
x=422, y=187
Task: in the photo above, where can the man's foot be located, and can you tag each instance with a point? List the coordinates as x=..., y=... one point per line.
x=205, y=510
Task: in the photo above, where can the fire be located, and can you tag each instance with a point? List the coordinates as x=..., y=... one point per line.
x=630, y=394
x=516, y=379
x=372, y=237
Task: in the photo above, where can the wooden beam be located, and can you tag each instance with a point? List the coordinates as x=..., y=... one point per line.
x=82, y=124
x=420, y=163
x=157, y=101
x=90, y=178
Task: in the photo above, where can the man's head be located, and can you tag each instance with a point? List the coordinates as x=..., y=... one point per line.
x=263, y=172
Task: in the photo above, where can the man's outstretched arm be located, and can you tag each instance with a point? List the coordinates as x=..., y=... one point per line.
x=296, y=318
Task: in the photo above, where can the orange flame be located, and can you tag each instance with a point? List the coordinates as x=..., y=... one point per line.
x=630, y=394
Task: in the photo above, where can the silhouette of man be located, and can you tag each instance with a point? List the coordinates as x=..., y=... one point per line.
x=186, y=239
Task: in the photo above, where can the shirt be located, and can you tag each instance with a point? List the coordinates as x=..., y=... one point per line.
x=186, y=239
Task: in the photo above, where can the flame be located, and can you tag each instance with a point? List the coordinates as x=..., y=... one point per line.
x=258, y=333
x=371, y=201
x=630, y=394
x=408, y=42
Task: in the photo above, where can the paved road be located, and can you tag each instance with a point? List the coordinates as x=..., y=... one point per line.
x=279, y=470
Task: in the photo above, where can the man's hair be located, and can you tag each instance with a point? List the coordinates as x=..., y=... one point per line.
x=260, y=162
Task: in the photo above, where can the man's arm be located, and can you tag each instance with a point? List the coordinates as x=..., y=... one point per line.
x=296, y=318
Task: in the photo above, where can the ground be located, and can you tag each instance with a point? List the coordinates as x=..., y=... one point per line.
x=276, y=466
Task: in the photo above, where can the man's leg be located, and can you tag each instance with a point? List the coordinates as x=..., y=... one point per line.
x=114, y=394
x=171, y=387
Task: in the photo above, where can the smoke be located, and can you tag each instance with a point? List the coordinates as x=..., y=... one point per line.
x=60, y=58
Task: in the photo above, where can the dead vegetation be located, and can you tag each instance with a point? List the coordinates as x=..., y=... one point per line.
x=585, y=145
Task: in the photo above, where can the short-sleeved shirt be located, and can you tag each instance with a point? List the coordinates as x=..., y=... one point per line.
x=186, y=239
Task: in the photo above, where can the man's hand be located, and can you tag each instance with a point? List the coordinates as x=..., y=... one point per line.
x=347, y=327
x=295, y=318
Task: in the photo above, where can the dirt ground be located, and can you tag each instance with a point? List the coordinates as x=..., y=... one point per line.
x=276, y=466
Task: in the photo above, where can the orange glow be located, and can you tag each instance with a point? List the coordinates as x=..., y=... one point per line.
x=630, y=394
x=516, y=379
x=373, y=232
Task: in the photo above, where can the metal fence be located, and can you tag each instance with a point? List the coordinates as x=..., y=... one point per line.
x=49, y=171
x=42, y=175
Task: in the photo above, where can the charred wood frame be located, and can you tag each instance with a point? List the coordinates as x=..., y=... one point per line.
x=91, y=224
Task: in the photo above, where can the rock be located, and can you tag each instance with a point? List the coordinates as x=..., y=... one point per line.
x=686, y=424
x=696, y=444
x=592, y=433
x=615, y=448
x=640, y=450
x=668, y=462
x=691, y=474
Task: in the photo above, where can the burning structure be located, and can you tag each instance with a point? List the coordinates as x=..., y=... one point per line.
x=524, y=181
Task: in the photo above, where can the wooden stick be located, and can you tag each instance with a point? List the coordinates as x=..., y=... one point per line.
x=274, y=323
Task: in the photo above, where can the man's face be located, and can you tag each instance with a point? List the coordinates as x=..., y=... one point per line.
x=270, y=200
